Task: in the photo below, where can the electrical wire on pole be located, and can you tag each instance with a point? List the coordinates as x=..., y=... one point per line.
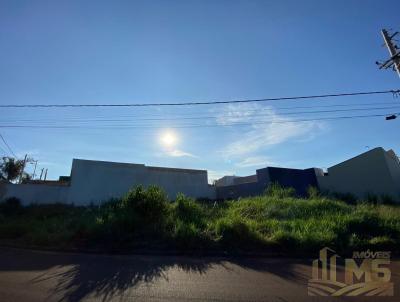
x=7, y=145
x=4, y=151
x=247, y=123
x=231, y=114
x=308, y=97
x=394, y=61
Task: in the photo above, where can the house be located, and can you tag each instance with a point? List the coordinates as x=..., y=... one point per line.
x=375, y=172
x=256, y=184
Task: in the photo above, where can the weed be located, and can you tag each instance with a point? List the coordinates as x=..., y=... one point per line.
x=145, y=217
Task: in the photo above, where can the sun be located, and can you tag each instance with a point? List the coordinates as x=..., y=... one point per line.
x=169, y=138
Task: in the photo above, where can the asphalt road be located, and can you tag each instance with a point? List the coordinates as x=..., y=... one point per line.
x=46, y=276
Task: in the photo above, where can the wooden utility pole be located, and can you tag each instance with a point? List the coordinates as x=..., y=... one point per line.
x=34, y=170
x=394, y=60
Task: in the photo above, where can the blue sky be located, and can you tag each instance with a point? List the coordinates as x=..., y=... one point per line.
x=58, y=52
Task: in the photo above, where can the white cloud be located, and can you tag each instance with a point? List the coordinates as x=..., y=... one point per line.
x=267, y=128
x=240, y=113
x=255, y=161
x=179, y=153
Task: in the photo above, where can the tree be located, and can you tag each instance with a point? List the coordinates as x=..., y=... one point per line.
x=11, y=168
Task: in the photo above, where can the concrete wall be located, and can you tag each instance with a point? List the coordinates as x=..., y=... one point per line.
x=225, y=181
x=376, y=171
x=373, y=172
x=35, y=193
x=245, y=179
x=393, y=164
x=240, y=190
x=298, y=179
x=96, y=181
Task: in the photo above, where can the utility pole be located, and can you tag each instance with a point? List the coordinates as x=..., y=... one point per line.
x=394, y=60
x=34, y=170
x=23, y=168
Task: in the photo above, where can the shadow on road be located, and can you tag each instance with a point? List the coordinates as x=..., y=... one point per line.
x=77, y=276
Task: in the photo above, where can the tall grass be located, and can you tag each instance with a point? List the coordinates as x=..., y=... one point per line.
x=145, y=218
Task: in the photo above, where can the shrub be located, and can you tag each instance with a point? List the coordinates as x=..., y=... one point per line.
x=277, y=191
x=52, y=232
x=43, y=211
x=372, y=198
x=346, y=197
x=312, y=192
x=188, y=210
x=148, y=206
x=365, y=224
x=144, y=217
x=115, y=220
x=186, y=235
x=387, y=199
x=255, y=208
x=140, y=212
x=13, y=229
x=234, y=232
x=284, y=238
x=11, y=206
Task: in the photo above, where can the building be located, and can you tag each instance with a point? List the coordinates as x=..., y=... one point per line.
x=234, y=180
x=94, y=181
x=97, y=181
x=226, y=180
x=256, y=184
x=375, y=172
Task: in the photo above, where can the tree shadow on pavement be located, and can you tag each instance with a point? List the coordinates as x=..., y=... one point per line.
x=108, y=276
x=78, y=276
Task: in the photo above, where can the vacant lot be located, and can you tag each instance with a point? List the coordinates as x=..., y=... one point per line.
x=145, y=219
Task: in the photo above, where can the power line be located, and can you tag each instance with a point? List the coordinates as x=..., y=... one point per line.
x=188, y=115
x=185, y=114
x=198, y=125
x=4, y=151
x=394, y=92
x=271, y=111
x=5, y=143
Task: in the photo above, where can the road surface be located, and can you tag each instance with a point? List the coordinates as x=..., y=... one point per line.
x=48, y=276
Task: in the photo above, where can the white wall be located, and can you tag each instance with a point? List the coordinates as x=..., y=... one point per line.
x=35, y=193
x=371, y=172
x=375, y=171
x=94, y=181
x=97, y=181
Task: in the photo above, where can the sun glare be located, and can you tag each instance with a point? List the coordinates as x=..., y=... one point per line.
x=169, y=138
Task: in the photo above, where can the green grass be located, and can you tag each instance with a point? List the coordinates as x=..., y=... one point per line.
x=275, y=221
